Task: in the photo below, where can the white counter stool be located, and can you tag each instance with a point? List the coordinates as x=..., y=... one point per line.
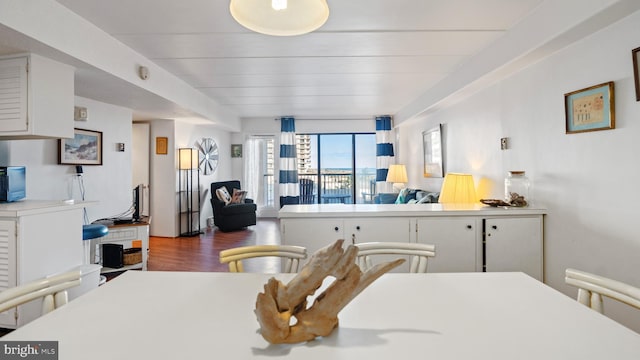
x=90, y=232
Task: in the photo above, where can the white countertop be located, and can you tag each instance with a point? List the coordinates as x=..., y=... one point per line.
x=387, y=210
x=183, y=315
x=31, y=207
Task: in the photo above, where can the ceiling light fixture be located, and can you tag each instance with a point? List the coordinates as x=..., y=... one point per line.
x=280, y=17
x=279, y=4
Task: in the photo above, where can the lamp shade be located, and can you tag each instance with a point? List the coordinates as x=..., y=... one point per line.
x=280, y=17
x=187, y=158
x=397, y=174
x=458, y=189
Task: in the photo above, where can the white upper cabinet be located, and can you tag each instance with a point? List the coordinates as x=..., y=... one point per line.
x=36, y=98
x=13, y=94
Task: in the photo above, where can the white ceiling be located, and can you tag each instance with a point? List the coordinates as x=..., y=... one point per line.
x=372, y=57
x=406, y=58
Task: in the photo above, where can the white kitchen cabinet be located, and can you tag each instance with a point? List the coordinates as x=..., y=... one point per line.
x=470, y=237
x=7, y=265
x=313, y=235
x=360, y=230
x=37, y=239
x=318, y=233
x=38, y=98
x=514, y=244
x=457, y=241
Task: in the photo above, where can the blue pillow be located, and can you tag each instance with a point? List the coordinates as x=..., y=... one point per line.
x=386, y=198
x=412, y=194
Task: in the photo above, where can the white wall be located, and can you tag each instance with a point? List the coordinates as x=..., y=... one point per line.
x=163, y=207
x=587, y=181
x=109, y=184
x=187, y=135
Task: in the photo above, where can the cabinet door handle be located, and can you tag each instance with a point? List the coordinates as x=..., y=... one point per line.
x=469, y=227
x=353, y=239
x=494, y=227
x=336, y=229
x=358, y=227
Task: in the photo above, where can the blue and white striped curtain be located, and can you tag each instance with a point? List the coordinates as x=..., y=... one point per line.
x=384, y=151
x=289, y=188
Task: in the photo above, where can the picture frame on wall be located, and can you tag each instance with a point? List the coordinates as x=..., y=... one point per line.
x=590, y=109
x=636, y=70
x=162, y=145
x=432, y=143
x=236, y=150
x=84, y=149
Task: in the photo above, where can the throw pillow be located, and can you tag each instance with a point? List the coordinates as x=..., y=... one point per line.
x=238, y=196
x=385, y=198
x=421, y=194
x=412, y=194
x=429, y=198
x=223, y=195
x=401, y=196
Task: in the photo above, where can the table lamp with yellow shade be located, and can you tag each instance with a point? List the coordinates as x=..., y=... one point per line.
x=397, y=175
x=458, y=189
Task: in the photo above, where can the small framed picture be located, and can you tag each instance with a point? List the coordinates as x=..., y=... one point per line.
x=162, y=145
x=590, y=109
x=236, y=150
x=636, y=71
x=84, y=149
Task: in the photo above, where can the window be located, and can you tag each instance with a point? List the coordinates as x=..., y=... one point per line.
x=336, y=168
x=259, y=173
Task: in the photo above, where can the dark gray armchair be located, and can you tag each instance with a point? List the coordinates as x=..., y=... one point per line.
x=232, y=216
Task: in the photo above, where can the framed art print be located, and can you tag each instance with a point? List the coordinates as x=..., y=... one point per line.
x=236, y=150
x=84, y=149
x=590, y=109
x=162, y=145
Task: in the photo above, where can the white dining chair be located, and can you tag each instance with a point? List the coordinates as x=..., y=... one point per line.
x=419, y=253
x=52, y=290
x=591, y=289
x=292, y=255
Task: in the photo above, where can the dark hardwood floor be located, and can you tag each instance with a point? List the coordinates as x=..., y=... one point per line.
x=200, y=253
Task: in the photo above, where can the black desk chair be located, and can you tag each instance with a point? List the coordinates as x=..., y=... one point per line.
x=306, y=191
x=232, y=216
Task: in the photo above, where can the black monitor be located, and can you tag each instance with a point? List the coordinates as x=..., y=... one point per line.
x=137, y=202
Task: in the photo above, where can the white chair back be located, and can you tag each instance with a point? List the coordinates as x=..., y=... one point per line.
x=591, y=289
x=420, y=253
x=52, y=289
x=292, y=255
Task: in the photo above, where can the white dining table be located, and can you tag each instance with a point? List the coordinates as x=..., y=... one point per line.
x=187, y=315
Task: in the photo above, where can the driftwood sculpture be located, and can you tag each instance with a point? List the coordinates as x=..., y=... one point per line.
x=276, y=307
